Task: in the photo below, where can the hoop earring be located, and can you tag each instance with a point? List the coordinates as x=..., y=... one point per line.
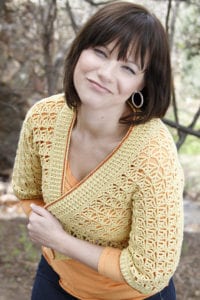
x=137, y=103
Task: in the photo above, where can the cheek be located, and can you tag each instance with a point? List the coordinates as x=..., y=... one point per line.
x=141, y=82
x=86, y=62
x=141, y=85
x=79, y=65
x=138, y=84
x=127, y=87
x=80, y=68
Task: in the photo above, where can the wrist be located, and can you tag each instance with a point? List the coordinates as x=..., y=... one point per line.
x=62, y=243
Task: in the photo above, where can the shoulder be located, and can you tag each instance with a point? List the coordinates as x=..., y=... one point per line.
x=161, y=135
x=155, y=126
x=154, y=141
x=156, y=132
x=50, y=104
x=47, y=110
x=158, y=156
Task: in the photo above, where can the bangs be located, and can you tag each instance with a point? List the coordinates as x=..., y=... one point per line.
x=130, y=39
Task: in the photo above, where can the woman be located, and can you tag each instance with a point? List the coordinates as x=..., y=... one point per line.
x=98, y=169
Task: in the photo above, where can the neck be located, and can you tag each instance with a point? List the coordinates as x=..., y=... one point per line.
x=100, y=124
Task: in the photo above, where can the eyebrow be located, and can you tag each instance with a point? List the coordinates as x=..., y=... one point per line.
x=127, y=60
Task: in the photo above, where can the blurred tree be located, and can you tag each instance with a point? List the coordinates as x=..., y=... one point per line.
x=189, y=44
x=47, y=15
x=35, y=36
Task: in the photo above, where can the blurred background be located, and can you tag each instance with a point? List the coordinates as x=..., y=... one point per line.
x=34, y=39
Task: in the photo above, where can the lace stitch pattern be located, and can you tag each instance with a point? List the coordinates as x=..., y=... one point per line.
x=133, y=201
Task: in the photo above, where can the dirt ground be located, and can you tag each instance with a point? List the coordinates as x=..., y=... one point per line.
x=19, y=257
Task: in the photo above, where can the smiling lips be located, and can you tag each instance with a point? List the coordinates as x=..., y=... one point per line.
x=98, y=86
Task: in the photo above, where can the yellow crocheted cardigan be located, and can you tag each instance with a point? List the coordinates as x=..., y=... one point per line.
x=131, y=201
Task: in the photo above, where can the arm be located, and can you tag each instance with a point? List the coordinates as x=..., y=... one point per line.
x=26, y=177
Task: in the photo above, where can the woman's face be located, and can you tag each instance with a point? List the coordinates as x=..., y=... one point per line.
x=101, y=80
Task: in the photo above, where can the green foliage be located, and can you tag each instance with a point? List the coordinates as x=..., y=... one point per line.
x=188, y=48
x=189, y=27
x=191, y=146
x=185, y=247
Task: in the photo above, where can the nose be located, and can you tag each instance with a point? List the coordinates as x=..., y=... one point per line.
x=107, y=71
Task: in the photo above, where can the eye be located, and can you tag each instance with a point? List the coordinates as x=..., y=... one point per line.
x=129, y=69
x=100, y=52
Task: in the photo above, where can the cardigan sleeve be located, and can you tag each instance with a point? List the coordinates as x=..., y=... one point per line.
x=27, y=173
x=153, y=251
x=25, y=204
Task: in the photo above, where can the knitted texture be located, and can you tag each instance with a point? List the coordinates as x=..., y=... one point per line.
x=131, y=201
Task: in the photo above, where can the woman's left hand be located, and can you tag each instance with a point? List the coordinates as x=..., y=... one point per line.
x=44, y=229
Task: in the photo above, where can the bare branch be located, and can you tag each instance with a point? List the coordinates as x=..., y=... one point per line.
x=196, y=116
x=169, y=6
x=173, y=22
x=175, y=109
x=48, y=14
x=185, y=130
x=184, y=135
x=91, y=2
x=182, y=128
x=48, y=18
x=71, y=16
x=174, y=104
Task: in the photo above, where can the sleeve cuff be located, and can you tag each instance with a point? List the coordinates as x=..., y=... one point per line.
x=25, y=204
x=109, y=264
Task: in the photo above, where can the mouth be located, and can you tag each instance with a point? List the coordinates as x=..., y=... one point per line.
x=98, y=86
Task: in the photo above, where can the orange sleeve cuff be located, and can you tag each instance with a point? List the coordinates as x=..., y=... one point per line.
x=25, y=204
x=109, y=265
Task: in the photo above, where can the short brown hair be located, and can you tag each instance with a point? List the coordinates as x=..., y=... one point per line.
x=131, y=25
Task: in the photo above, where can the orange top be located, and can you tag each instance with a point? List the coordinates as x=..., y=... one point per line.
x=84, y=282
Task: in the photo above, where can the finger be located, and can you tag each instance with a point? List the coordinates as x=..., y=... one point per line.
x=34, y=217
x=39, y=210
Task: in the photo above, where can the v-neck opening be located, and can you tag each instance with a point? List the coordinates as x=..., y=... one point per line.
x=69, y=175
x=59, y=153
x=99, y=165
